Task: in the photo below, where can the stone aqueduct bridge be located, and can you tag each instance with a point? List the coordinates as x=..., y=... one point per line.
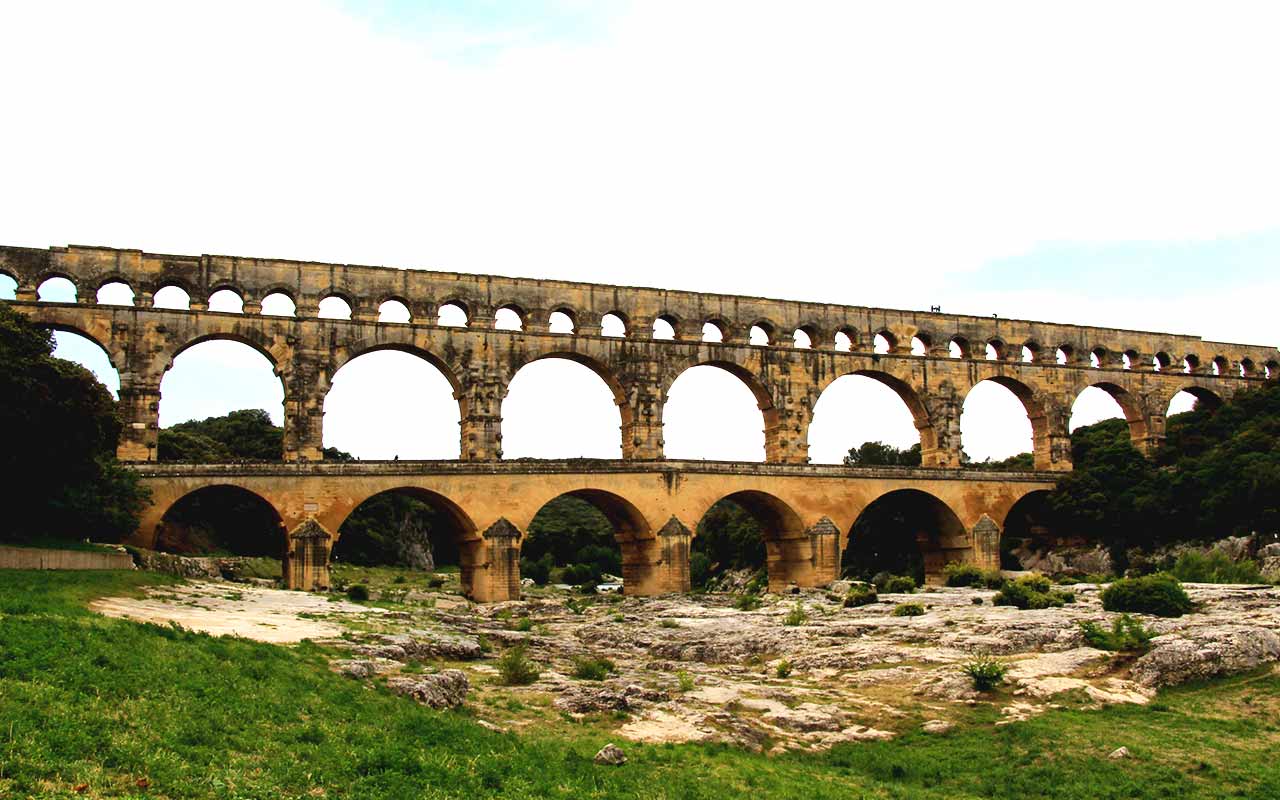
x=806, y=510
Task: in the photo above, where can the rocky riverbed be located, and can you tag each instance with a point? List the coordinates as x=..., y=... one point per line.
x=694, y=668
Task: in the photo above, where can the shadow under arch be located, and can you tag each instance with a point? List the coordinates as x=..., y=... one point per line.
x=222, y=519
x=638, y=550
x=1027, y=528
x=618, y=395
x=448, y=520
x=904, y=532
x=788, y=555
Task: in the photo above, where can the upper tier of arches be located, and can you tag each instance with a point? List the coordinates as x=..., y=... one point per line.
x=568, y=308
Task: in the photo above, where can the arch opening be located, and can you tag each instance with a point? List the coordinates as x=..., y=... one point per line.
x=56, y=290
x=994, y=350
x=728, y=538
x=214, y=377
x=394, y=311
x=996, y=424
x=279, y=304
x=883, y=343
x=1063, y=354
x=417, y=415
x=844, y=342
x=904, y=532
x=760, y=336
x=613, y=325
x=115, y=293
x=592, y=539
x=224, y=520
x=452, y=315
x=712, y=332
x=561, y=322
x=861, y=419
x=714, y=411
x=173, y=297
x=1029, y=532
x=664, y=328
x=1104, y=401
x=919, y=347
x=508, y=318
x=562, y=406
x=8, y=287
x=731, y=536
x=334, y=307
x=1030, y=353
x=958, y=347
x=801, y=339
x=85, y=351
x=1193, y=398
x=227, y=301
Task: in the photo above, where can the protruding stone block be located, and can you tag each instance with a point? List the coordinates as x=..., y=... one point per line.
x=307, y=565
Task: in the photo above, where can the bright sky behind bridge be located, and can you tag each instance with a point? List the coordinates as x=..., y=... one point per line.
x=1097, y=163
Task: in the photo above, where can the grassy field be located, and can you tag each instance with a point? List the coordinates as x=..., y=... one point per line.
x=95, y=707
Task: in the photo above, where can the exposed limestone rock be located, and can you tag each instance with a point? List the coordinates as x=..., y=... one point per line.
x=1118, y=753
x=445, y=689
x=583, y=699
x=611, y=755
x=432, y=644
x=937, y=726
x=1205, y=653
x=361, y=668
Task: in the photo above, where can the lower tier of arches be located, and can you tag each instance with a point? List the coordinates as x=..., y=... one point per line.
x=807, y=516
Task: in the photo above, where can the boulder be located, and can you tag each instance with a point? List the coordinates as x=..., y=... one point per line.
x=579, y=699
x=434, y=644
x=1118, y=753
x=1205, y=653
x=445, y=689
x=611, y=755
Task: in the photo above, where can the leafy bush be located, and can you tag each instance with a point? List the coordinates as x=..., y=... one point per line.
x=593, y=669
x=784, y=669
x=1126, y=635
x=435, y=581
x=977, y=601
x=539, y=570
x=668, y=623
x=684, y=681
x=516, y=669
x=747, y=602
x=1215, y=566
x=1160, y=594
x=358, y=592
x=699, y=569
x=576, y=606
x=987, y=673
x=860, y=595
x=523, y=624
x=899, y=584
x=962, y=575
x=796, y=616
x=1031, y=592
x=758, y=583
x=992, y=579
x=908, y=610
x=579, y=575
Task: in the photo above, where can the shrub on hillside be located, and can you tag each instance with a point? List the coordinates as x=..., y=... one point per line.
x=593, y=669
x=962, y=575
x=1160, y=594
x=358, y=591
x=515, y=668
x=1215, y=566
x=747, y=602
x=908, y=610
x=987, y=673
x=898, y=584
x=1031, y=592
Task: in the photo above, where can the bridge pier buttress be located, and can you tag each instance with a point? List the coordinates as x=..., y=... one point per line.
x=306, y=563
x=491, y=564
x=306, y=384
x=140, y=412
x=805, y=558
x=659, y=564
x=480, y=423
x=640, y=408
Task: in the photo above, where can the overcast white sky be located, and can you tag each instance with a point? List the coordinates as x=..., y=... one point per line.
x=1102, y=163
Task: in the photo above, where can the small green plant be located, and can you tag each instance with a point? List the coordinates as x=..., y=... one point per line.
x=399, y=579
x=668, y=623
x=1031, y=592
x=908, y=610
x=962, y=575
x=1160, y=594
x=977, y=601
x=524, y=624
x=987, y=673
x=1215, y=566
x=516, y=669
x=860, y=594
x=899, y=584
x=358, y=592
x=796, y=616
x=783, y=670
x=1126, y=635
x=617, y=617
x=435, y=581
x=592, y=669
x=747, y=602
x=684, y=681
x=758, y=583
x=576, y=606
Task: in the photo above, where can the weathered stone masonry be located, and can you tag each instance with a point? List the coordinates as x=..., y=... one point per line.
x=479, y=361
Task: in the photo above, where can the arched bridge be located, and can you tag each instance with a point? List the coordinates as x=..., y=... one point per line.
x=786, y=352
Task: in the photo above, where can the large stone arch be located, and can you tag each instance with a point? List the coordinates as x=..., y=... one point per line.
x=933, y=525
x=790, y=556
x=1146, y=425
x=931, y=446
x=774, y=446
x=619, y=395
x=1050, y=443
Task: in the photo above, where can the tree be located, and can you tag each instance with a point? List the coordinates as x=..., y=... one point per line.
x=62, y=428
x=879, y=454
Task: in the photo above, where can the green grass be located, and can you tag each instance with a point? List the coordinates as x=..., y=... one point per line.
x=104, y=702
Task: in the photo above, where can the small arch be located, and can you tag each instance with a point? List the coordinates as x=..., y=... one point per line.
x=115, y=293
x=1247, y=368
x=958, y=347
x=713, y=331
x=1097, y=357
x=664, y=328
x=172, y=297
x=1161, y=362
x=227, y=301
x=1030, y=353
x=279, y=304
x=394, y=310
x=884, y=342
x=613, y=324
x=995, y=350
x=562, y=321
x=1065, y=354
x=801, y=340
x=453, y=314
x=8, y=287
x=1220, y=365
x=904, y=532
x=920, y=345
x=760, y=335
x=57, y=289
x=1129, y=358
x=1272, y=369
x=1190, y=363
x=508, y=318
x=334, y=307
x=843, y=341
